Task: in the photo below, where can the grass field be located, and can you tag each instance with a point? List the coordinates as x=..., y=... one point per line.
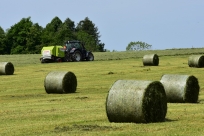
x=26, y=109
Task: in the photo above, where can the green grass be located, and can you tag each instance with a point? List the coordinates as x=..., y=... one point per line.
x=26, y=109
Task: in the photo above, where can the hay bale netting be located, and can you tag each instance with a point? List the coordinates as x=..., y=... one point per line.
x=6, y=68
x=181, y=88
x=196, y=61
x=136, y=101
x=60, y=82
x=151, y=60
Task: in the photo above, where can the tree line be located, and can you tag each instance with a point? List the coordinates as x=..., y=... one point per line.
x=26, y=37
x=137, y=46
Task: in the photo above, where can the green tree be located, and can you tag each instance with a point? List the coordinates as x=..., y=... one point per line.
x=26, y=37
x=88, y=40
x=16, y=36
x=89, y=27
x=2, y=41
x=66, y=31
x=34, y=39
x=135, y=46
x=49, y=34
x=23, y=37
x=69, y=24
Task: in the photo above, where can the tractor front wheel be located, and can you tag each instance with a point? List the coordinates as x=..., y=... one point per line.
x=90, y=57
x=77, y=56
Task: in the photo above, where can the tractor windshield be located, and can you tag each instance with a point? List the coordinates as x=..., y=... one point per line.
x=69, y=46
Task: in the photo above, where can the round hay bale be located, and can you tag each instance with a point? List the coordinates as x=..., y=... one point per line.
x=60, y=82
x=6, y=68
x=136, y=101
x=196, y=61
x=181, y=88
x=151, y=60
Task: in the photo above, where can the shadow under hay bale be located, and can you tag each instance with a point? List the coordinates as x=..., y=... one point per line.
x=196, y=61
x=136, y=101
x=181, y=88
x=151, y=60
x=60, y=82
x=6, y=68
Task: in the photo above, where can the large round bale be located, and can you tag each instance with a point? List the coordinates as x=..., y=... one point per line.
x=196, y=61
x=181, y=88
x=136, y=101
x=60, y=82
x=6, y=68
x=151, y=60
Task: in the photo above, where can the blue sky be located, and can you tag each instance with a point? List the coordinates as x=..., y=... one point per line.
x=164, y=24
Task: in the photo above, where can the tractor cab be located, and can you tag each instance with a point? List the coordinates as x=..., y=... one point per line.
x=72, y=46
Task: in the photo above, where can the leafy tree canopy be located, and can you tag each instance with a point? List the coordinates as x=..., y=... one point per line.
x=28, y=37
x=89, y=27
x=135, y=46
x=50, y=31
x=88, y=40
x=23, y=37
x=2, y=41
x=53, y=25
x=66, y=32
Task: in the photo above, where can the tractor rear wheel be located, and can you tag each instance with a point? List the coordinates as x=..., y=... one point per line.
x=67, y=57
x=90, y=57
x=77, y=56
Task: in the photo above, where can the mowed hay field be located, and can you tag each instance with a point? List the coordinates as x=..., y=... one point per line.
x=26, y=108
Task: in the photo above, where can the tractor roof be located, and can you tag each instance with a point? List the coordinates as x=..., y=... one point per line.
x=74, y=41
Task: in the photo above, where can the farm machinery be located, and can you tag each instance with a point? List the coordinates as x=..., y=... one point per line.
x=71, y=51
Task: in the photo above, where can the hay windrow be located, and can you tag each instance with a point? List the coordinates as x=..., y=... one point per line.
x=196, y=61
x=6, y=68
x=136, y=101
x=151, y=60
x=60, y=82
x=181, y=88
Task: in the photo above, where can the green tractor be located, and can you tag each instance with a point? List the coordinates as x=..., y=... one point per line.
x=72, y=51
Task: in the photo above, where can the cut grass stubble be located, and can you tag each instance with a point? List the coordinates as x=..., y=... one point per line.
x=94, y=82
